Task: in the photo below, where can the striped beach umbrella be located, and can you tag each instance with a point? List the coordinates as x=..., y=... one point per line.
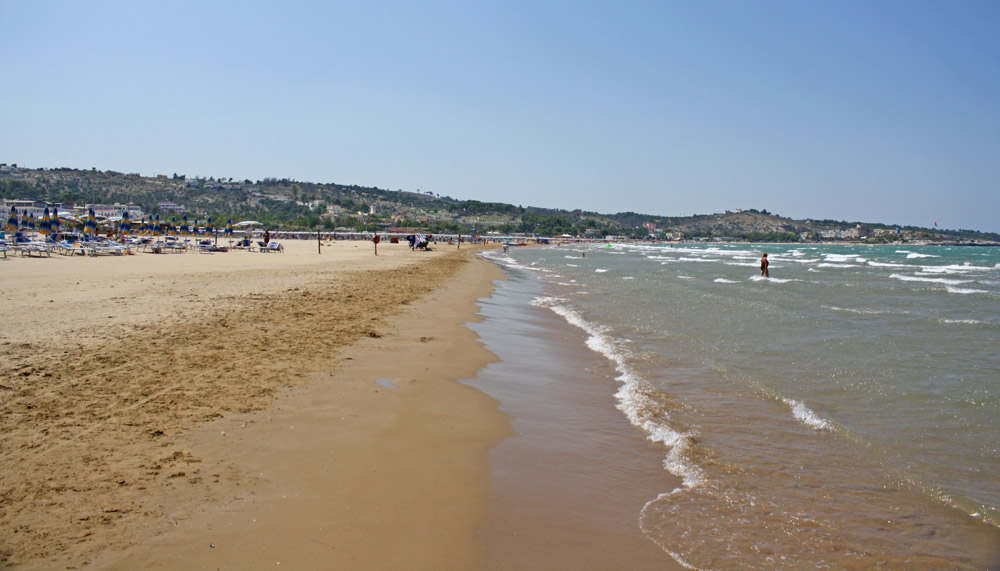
x=28, y=222
x=156, y=228
x=45, y=224
x=208, y=227
x=229, y=227
x=125, y=225
x=54, y=223
x=12, y=221
x=184, y=226
x=90, y=225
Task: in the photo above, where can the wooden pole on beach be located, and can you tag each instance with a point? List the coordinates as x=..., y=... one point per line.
x=319, y=239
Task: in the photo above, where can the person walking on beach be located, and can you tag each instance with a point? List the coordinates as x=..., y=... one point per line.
x=267, y=236
x=763, y=266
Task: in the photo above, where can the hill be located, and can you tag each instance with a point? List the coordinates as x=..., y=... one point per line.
x=292, y=204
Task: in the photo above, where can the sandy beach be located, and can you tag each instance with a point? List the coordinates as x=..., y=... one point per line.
x=241, y=410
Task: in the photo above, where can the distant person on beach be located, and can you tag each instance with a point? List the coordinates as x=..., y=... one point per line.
x=267, y=236
x=763, y=266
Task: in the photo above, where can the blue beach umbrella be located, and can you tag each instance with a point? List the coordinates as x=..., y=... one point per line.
x=28, y=222
x=90, y=225
x=45, y=224
x=54, y=223
x=184, y=226
x=229, y=227
x=208, y=227
x=125, y=225
x=155, y=227
x=12, y=221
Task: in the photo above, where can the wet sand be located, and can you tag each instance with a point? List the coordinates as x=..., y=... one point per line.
x=569, y=486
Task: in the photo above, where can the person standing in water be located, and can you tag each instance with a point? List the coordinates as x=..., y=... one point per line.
x=763, y=266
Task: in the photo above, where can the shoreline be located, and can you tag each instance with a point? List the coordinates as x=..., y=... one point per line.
x=131, y=467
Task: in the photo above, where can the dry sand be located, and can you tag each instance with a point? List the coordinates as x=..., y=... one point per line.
x=241, y=410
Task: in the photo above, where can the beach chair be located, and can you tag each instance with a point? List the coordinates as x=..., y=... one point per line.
x=243, y=245
x=27, y=247
x=68, y=248
x=272, y=246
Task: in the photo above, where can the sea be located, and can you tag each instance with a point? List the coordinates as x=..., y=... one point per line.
x=843, y=413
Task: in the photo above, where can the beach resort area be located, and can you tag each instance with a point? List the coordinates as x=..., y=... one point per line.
x=237, y=410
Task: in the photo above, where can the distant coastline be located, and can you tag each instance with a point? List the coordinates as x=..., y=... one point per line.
x=292, y=205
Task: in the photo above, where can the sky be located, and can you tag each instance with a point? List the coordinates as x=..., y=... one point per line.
x=872, y=111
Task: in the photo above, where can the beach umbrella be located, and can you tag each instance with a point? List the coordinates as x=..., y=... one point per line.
x=28, y=222
x=125, y=225
x=90, y=225
x=208, y=227
x=155, y=227
x=12, y=221
x=45, y=224
x=184, y=226
x=229, y=227
x=54, y=223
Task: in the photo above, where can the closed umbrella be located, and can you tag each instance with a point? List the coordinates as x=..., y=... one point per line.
x=90, y=226
x=125, y=225
x=54, y=223
x=12, y=221
x=45, y=224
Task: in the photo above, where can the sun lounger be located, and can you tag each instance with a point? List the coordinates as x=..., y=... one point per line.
x=67, y=248
x=28, y=247
x=272, y=247
x=242, y=245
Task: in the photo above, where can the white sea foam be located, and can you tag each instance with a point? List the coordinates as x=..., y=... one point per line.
x=839, y=257
x=913, y=255
x=805, y=415
x=945, y=281
x=965, y=291
x=600, y=271
x=686, y=259
x=835, y=265
x=887, y=265
x=572, y=265
x=859, y=311
x=953, y=269
x=772, y=280
x=633, y=396
x=963, y=321
x=724, y=281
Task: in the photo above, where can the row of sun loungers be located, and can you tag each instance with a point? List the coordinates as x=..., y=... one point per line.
x=97, y=246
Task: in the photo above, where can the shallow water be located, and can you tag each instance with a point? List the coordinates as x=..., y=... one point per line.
x=844, y=413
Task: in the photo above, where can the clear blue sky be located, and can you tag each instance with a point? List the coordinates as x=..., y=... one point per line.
x=869, y=110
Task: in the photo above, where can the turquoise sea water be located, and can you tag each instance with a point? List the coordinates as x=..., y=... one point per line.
x=844, y=413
